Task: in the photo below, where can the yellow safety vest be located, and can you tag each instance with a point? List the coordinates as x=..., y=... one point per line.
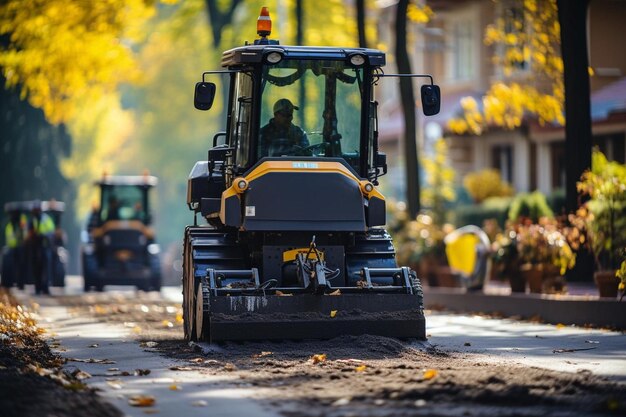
x=45, y=226
x=14, y=236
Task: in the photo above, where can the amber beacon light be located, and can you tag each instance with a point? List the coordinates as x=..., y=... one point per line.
x=264, y=23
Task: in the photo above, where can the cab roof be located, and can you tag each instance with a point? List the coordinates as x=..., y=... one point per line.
x=147, y=180
x=253, y=54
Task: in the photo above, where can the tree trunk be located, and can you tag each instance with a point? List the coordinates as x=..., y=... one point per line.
x=408, y=110
x=578, y=137
x=300, y=41
x=218, y=19
x=360, y=22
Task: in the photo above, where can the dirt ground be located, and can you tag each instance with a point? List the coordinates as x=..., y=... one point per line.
x=32, y=383
x=365, y=375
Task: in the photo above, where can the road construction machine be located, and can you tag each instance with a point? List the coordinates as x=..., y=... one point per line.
x=293, y=244
x=118, y=243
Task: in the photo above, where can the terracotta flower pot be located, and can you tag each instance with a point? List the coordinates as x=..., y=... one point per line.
x=607, y=283
x=447, y=278
x=534, y=277
x=516, y=279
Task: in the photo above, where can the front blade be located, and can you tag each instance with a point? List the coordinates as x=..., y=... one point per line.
x=308, y=316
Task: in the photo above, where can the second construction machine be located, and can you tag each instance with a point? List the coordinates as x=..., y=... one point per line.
x=294, y=245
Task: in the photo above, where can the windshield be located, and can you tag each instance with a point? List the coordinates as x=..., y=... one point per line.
x=311, y=108
x=125, y=202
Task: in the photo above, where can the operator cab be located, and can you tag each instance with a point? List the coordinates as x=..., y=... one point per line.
x=332, y=108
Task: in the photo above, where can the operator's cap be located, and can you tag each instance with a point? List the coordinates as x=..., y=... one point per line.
x=284, y=105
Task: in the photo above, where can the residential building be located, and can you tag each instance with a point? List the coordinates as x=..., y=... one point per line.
x=451, y=47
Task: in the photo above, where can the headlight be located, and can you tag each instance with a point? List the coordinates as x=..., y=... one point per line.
x=357, y=60
x=241, y=184
x=154, y=248
x=367, y=187
x=274, y=57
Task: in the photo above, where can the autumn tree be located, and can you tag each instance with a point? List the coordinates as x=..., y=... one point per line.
x=536, y=36
x=404, y=12
x=58, y=57
x=525, y=37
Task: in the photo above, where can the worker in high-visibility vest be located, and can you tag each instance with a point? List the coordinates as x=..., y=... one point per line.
x=14, y=233
x=41, y=232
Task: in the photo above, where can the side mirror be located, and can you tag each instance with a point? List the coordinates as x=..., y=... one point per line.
x=431, y=99
x=204, y=95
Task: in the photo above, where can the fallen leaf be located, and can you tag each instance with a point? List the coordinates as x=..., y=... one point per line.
x=179, y=317
x=230, y=367
x=141, y=401
x=260, y=355
x=282, y=294
x=318, y=358
x=333, y=313
x=80, y=375
x=571, y=350
x=559, y=325
x=175, y=387
x=430, y=374
x=196, y=360
x=180, y=368
x=336, y=292
x=151, y=411
x=91, y=360
x=115, y=384
x=349, y=360
x=142, y=372
x=360, y=368
x=167, y=323
x=342, y=401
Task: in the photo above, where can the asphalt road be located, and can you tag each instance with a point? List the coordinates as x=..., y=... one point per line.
x=192, y=393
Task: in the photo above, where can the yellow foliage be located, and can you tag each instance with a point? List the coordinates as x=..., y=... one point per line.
x=419, y=14
x=62, y=49
x=534, y=43
x=439, y=182
x=486, y=183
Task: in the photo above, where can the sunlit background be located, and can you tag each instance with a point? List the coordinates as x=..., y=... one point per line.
x=107, y=86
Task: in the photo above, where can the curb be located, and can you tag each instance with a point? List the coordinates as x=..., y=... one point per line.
x=551, y=309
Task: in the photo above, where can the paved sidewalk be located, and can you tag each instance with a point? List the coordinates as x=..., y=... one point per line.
x=580, y=306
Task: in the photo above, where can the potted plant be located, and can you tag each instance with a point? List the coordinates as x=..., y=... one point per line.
x=419, y=242
x=621, y=274
x=536, y=254
x=561, y=255
x=505, y=258
x=605, y=218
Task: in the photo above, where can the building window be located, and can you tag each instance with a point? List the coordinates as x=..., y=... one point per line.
x=463, y=51
x=612, y=146
x=502, y=160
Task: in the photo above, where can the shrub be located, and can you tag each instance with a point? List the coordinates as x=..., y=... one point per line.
x=493, y=208
x=531, y=206
x=486, y=183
